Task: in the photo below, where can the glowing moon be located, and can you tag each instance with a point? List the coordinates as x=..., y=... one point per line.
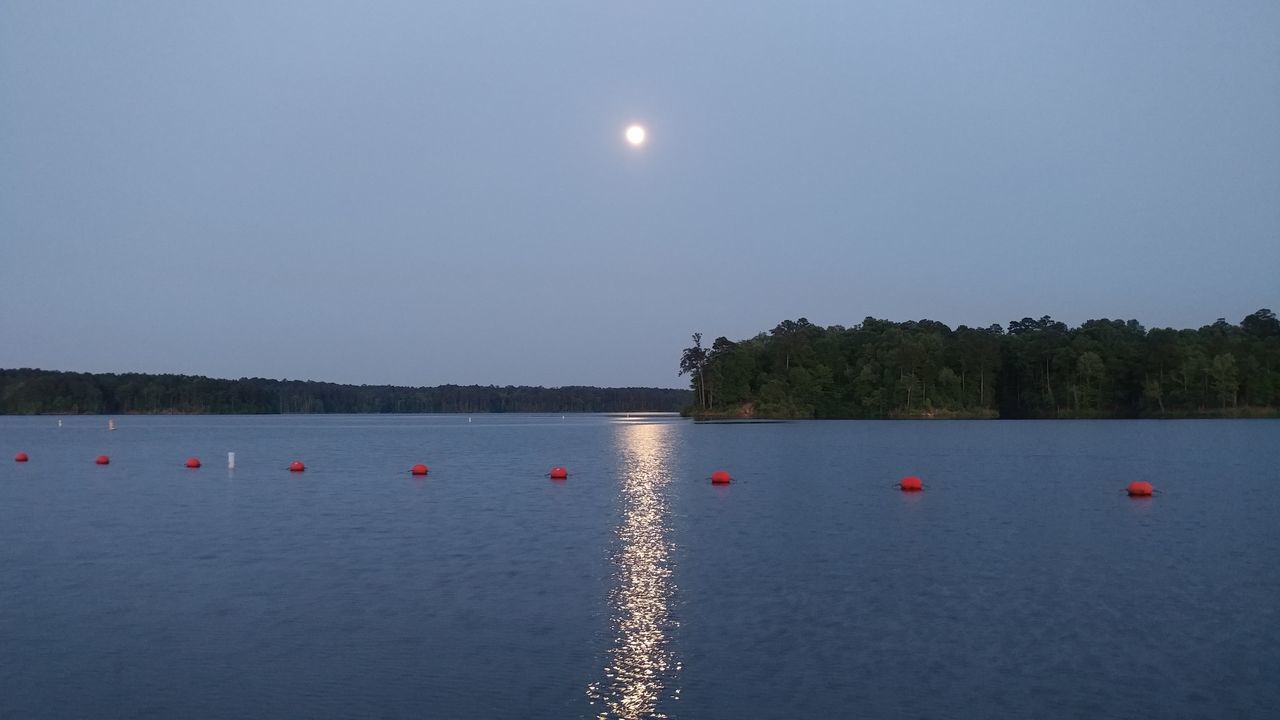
x=636, y=135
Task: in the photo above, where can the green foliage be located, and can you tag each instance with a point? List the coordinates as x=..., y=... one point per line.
x=26, y=391
x=1038, y=368
x=1225, y=378
x=692, y=362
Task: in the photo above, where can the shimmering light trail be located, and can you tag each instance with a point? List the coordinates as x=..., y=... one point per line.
x=641, y=671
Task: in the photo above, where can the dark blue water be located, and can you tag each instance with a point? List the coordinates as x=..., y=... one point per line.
x=1022, y=582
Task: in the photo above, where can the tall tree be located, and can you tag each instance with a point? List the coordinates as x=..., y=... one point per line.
x=692, y=362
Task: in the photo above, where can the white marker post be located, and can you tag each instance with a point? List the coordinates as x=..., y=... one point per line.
x=231, y=461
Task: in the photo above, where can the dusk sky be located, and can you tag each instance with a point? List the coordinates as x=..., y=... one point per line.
x=422, y=193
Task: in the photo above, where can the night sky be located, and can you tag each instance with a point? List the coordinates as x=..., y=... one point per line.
x=424, y=193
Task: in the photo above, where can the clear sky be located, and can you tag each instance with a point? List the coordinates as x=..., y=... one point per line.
x=440, y=192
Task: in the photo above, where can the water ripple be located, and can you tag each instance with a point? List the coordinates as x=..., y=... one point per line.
x=641, y=670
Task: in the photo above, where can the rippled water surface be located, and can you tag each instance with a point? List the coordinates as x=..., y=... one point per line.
x=1022, y=582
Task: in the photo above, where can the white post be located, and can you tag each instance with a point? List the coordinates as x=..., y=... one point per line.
x=231, y=461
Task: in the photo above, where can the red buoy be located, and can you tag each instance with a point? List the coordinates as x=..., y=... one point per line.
x=1140, y=488
x=297, y=466
x=910, y=483
x=721, y=477
x=193, y=463
x=419, y=469
x=558, y=473
x=21, y=457
x=103, y=460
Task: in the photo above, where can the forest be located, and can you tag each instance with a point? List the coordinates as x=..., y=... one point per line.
x=28, y=391
x=1034, y=368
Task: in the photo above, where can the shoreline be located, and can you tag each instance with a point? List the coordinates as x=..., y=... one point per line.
x=1249, y=413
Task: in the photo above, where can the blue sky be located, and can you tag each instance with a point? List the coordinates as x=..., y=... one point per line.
x=425, y=193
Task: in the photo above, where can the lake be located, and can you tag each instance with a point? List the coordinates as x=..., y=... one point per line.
x=1022, y=582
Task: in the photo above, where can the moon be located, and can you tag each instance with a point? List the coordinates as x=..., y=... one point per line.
x=636, y=135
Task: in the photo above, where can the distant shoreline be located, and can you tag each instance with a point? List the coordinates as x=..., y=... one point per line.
x=1241, y=413
x=617, y=413
x=34, y=391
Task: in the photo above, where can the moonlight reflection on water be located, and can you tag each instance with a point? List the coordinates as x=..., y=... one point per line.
x=641, y=668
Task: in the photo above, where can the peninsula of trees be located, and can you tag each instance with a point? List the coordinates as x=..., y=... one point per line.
x=1033, y=369
x=26, y=392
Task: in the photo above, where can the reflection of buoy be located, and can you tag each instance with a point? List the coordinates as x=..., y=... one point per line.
x=558, y=473
x=102, y=460
x=1140, y=488
x=297, y=466
x=21, y=457
x=721, y=477
x=910, y=483
x=193, y=463
x=418, y=469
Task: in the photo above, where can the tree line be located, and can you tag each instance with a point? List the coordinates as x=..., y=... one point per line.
x=1034, y=368
x=32, y=391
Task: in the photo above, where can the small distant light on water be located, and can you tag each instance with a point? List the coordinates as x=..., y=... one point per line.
x=636, y=135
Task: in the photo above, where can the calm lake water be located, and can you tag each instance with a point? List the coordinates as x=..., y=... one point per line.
x=1021, y=583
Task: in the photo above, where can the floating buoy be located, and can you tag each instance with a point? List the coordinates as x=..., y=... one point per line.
x=558, y=473
x=102, y=460
x=297, y=466
x=910, y=483
x=21, y=457
x=1140, y=488
x=418, y=469
x=721, y=477
x=193, y=463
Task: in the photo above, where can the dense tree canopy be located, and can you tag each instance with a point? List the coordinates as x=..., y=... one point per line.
x=1037, y=368
x=42, y=391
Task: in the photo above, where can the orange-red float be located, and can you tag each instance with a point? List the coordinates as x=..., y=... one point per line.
x=21, y=457
x=910, y=483
x=193, y=463
x=1140, y=488
x=558, y=473
x=297, y=466
x=102, y=460
x=721, y=477
x=419, y=469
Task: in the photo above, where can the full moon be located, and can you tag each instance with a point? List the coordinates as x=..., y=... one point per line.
x=636, y=135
